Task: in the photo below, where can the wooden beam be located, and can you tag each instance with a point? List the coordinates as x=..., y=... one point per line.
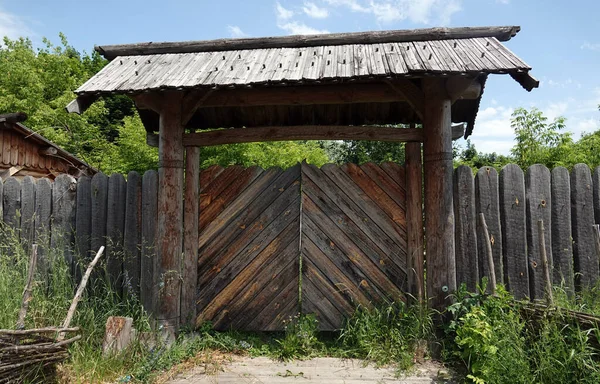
x=460, y=87
x=191, y=102
x=439, y=212
x=190, y=236
x=301, y=132
x=501, y=33
x=153, y=101
x=170, y=217
x=410, y=92
x=414, y=221
x=304, y=95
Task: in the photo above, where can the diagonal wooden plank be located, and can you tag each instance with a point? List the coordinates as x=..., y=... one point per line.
x=227, y=265
x=217, y=199
x=396, y=172
x=266, y=265
x=214, y=183
x=366, y=204
x=385, y=203
x=386, y=183
x=351, y=209
x=393, y=267
x=284, y=305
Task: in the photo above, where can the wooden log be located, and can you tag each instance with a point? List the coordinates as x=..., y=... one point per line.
x=99, y=210
x=149, y=258
x=83, y=218
x=562, y=240
x=170, y=216
x=132, y=234
x=27, y=291
x=414, y=221
x=27, y=213
x=119, y=334
x=487, y=201
x=115, y=227
x=43, y=215
x=63, y=213
x=539, y=207
x=79, y=293
x=582, y=221
x=439, y=214
x=501, y=33
x=190, y=236
x=12, y=205
x=467, y=270
x=545, y=262
x=488, y=250
x=514, y=239
x=301, y=132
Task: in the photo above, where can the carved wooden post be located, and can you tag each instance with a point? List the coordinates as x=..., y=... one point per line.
x=414, y=219
x=439, y=213
x=190, y=236
x=170, y=215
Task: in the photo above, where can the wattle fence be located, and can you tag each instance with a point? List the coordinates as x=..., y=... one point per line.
x=513, y=202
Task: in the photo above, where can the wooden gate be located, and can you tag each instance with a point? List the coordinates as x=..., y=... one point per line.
x=344, y=227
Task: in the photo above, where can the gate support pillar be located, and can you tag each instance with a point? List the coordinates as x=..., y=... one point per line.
x=190, y=236
x=414, y=220
x=170, y=215
x=439, y=211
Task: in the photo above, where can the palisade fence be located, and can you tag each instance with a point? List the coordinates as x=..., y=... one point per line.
x=76, y=218
x=513, y=202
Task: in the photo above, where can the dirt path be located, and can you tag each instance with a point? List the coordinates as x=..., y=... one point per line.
x=320, y=370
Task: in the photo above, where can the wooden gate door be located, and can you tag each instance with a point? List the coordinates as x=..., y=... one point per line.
x=248, y=267
x=353, y=238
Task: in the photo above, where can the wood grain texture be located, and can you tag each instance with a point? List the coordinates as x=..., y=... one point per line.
x=43, y=216
x=83, y=219
x=596, y=184
x=64, y=204
x=27, y=213
x=12, y=205
x=115, y=227
x=539, y=207
x=132, y=234
x=562, y=240
x=414, y=220
x=99, y=210
x=190, y=236
x=487, y=201
x=514, y=238
x=467, y=270
x=148, y=257
x=582, y=221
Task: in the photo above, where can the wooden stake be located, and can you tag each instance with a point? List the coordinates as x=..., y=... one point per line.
x=545, y=266
x=597, y=239
x=27, y=290
x=489, y=253
x=79, y=293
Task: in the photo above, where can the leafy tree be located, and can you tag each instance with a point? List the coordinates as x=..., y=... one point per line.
x=475, y=159
x=359, y=152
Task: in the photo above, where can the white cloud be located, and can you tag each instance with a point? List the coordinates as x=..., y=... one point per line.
x=503, y=1
x=590, y=46
x=12, y=26
x=418, y=11
x=568, y=83
x=312, y=10
x=283, y=13
x=297, y=28
x=236, y=31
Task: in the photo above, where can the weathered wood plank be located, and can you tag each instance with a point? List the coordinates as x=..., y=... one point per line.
x=514, y=239
x=149, y=258
x=64, y=204
x=467, y=269
x=394, y=190
x=487, y=201
x=83, y=220
x=12, y=206
x=99, y=210
x=132, y=234
x=190, y=236
x=582, y=221
x=596, y=183
x=414, y=221
x=43, y=215
x=115, y=227
x=27, y=213
x=562, y=240
x=539, y=207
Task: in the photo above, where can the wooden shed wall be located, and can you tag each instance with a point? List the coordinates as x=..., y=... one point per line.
x=17, y=150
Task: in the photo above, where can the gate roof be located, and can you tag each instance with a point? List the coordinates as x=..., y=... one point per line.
x=308, y=61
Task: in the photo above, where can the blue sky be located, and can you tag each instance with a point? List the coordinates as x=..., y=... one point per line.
x=559, y=39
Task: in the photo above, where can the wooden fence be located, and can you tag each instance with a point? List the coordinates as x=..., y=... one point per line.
x=513, y=202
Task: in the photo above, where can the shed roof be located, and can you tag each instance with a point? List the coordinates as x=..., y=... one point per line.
x=365, y=57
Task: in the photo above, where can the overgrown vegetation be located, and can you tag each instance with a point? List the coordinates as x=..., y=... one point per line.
x=495, y=341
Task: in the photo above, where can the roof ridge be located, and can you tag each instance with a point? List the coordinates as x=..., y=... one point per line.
x=110, y=52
